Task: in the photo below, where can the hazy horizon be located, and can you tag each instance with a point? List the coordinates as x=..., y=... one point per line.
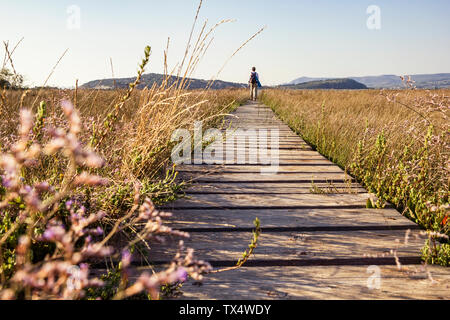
x=302, y=39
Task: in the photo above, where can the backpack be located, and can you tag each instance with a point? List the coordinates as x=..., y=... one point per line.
x=253, y=78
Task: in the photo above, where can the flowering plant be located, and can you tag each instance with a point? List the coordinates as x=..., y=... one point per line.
x=50, y=239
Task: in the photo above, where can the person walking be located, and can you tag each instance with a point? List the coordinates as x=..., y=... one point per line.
x=254, y=84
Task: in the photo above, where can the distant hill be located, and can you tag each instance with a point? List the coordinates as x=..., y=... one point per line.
x=390, y=81
x=328, y=84
x=150, y=78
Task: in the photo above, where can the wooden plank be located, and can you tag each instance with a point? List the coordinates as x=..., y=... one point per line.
x=260, y=123
x=275, y=188
x=250, y=131
x=253, y=147
x=269, y=153
x=243, y=201
x=256, y=145
x=253, y=131
x=281, y=177
x=281, y=138
x=303, y=246
x=257, y=125
x=272, y=218
x=282, y=161
x=321, y=282
x=295, y=162
x=291, y=153
x=257, y=169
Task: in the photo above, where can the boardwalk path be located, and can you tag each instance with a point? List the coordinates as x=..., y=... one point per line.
x=318, y=238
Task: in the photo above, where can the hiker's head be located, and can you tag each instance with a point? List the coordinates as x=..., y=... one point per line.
x=253, y=69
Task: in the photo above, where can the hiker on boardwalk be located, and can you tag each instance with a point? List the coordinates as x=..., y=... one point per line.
x=254, y=84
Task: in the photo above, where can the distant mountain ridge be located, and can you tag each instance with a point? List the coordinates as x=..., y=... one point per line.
x=348, y=84
x=390, y=81
x=149, y=79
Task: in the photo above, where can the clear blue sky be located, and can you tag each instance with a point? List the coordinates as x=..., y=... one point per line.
x=321, y=38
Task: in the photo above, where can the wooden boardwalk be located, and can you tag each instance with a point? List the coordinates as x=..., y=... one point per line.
x=318, y=239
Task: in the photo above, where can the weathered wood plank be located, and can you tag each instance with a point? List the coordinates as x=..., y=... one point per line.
x=295, y=162
x=259, y=148
x=243, y=201
x=321, y=282
x=257, y=169
x=271, y=218
x=275, y=188
x=254, y=132
x=269, y=153
x=229, y=246
x=281, y=177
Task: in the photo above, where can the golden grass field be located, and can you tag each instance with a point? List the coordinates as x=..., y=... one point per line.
x=137, y=145
x=145, y=121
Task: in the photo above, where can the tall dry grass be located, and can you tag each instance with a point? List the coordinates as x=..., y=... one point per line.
x=134, y=148
x=138, y=145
